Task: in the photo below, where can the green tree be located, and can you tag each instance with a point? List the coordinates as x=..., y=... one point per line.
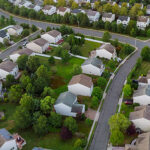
x=97, y=92
x=95, y=102
x=42, y=72
x=15, y=93
x=21, y=61
x=119, y=121
x=115, y=9
x=66, y=46
x=22, y=118
x=51, y=60
x=65, y=56
x=127, y=90
x=148, y=33
x=47, y=104
x=48, y=29
x=76, y=69
x=48, y=91
x=127, y=49
x=133, y=32
x=55, y=120
x=71, y=124
x=77, y=144
x=33, y=28
x=33, y=63
x=61, y=3
x=106, y=36
x=41, y=126
x=24, y=80
x=123, y=11
x=101, y=82
x=74, y=5
x=25, y=33
x=10, y=80
x=116, y=137
x=145, y=53
x=107, y=7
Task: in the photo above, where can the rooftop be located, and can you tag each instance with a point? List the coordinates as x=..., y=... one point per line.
x=123, y=18
x=142, y=18
x=3, y=33
x=40, y=42
x=54, y=33
x=7, y=65
x=107, y=15
x=108, y=47
x=81, y=79
x=142, y=90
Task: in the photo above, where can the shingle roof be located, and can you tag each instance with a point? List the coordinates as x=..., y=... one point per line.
x=75, y=11
x=143, y=79
x=81, y=79
x=90, y=12
x=47, y=7
x=140, y=112
x=16, y=27
x=3, y=33
x=40, y=42
x=107, y=15
x=123, y=18
x=142, y=18
x=94, y=61
x=62, y=9
x=7, y=65
x=142, y=90
x=108, y=47
x=66, y=98
x=24, y=51
x=54, y=33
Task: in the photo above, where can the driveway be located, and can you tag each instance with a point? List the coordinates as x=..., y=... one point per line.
x=101, y=136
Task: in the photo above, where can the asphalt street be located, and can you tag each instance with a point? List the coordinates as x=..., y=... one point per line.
x=101, y=136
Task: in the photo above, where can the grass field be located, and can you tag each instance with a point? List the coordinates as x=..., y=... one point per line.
x=87, y=47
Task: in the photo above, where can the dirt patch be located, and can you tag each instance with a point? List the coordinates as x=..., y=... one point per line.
x=57, y=81
x=90, y=113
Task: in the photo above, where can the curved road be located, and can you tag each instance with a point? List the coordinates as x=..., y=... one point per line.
x=101, y=135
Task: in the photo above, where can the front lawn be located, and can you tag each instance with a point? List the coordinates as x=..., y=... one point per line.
x=87, y=47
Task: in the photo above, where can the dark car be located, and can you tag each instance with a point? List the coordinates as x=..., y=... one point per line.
x=128, y=101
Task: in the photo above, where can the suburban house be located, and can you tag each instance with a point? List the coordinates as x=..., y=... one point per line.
x=81, y=85
x=39, y=45
x=93, y=66
x=37, y=8
x=49, y=9
x=62, y=10
x=15, y=30
x=27, y=4
x=21, y=4
x=107, y=51
x=92, y=15
x=141, y=117
x=7, y=141
x=8, y=67
x=148, y=10
x=124, y=20
x=52, y=36
x=108, y=17
x=142, y=22
x=76, y=11
x=67, y=105
x=14, y=56
x=4, y=35
x=142, y=95
x=31, y=6
x=142, y=142
x=142, y=81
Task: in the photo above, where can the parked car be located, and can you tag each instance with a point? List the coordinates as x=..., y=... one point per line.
x=128, y=101
x=25, y=43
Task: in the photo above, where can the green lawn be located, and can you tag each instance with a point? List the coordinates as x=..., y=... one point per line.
x=87, y=47
x=51, y=140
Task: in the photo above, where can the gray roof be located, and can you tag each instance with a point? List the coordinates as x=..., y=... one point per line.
x=148, y=6
x=66, y=98
x=90, y=12
x=54, y=33
x=25, y=51
x=3, y=33
x=40, y=42
x=123, y=18
x=94, y=61
x=107, y=15
x=7, y=65
x=110, y=48
x=77, y=108
x=5, y=134
x=75, y=11
x=142, y=18
x=142, y=90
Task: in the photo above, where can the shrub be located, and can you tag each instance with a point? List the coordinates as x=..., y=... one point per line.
x=65, y=133
x=88, y=122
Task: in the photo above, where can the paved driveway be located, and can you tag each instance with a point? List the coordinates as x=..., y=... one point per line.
x=101, y=135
